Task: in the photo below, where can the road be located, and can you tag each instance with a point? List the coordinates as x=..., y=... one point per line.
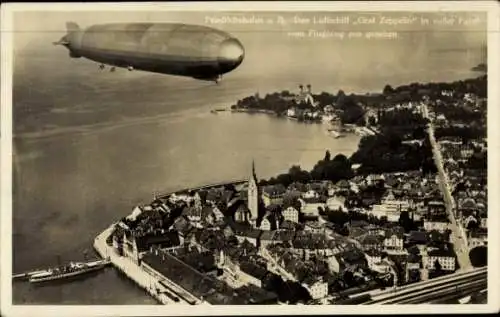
x=275, y=267
x=458, y=236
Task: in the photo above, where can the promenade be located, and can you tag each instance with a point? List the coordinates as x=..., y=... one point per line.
x=156, y=287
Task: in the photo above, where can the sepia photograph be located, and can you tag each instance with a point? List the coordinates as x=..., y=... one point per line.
x=274, y=154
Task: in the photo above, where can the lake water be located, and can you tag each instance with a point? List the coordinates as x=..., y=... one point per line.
x=91, y=145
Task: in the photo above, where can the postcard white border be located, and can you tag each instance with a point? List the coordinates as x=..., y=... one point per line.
x=7, y=11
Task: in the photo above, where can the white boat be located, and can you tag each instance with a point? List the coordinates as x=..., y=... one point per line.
x=334, y=133
x=65, y=271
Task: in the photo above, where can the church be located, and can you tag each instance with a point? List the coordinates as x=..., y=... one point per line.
x=253, y=194
x=250, y=212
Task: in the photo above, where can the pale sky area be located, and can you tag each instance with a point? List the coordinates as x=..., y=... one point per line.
x=269, y=47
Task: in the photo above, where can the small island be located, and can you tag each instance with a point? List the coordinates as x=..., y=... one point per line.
x=480, y=68
x=406, y=207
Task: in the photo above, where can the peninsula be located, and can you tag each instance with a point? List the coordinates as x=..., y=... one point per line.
x=408, y=206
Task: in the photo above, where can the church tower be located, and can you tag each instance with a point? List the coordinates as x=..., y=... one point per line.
x=253, y=196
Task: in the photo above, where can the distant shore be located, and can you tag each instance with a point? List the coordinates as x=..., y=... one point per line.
x=253, y=111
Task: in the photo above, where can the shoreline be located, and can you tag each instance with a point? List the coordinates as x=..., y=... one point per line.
x=153, y=283
x=148, y=282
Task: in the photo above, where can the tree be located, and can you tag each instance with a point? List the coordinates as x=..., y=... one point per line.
x=372, y=121
x=479, y=256
x=437, y=266
x=388, y=90
x=405, y=221
x=327, y=156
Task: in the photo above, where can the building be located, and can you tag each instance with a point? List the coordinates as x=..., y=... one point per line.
x=445, y=257
x=291, y=214
x=135, y=246
x=477, y=237
x=273, y=195
x=394, y=239
x=242, y=214
x=417, y=238
x=333, y=264
x=372, y=242
x=373, y=257
x=436, y=222
x=269, y=222
x=253, y=196
x=251, y=273
x=316, y=287
x=310, y=207
x=336, y=203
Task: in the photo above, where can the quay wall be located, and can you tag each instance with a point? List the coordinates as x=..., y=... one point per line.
x=129, y=268
x=234, y=182
x=147, y=281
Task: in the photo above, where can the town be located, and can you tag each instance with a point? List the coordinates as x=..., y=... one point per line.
x=410, y=205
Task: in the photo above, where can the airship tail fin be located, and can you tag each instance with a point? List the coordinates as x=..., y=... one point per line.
x=72, y=27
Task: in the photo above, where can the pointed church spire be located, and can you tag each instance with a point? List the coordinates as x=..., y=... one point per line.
x=254, y=175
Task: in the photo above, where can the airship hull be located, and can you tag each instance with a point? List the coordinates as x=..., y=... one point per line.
x=176, y=49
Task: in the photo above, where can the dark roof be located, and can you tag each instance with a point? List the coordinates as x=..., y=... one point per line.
x=274, y=189
x=313, y=200
x=213, y=195
x=414, y=258
x=182, y=225
x=201, y=261
x=398, y=231
x=247, y=232
x=358, y=223
x=254, y=270
x=373, y=252
x=437, y=218
x=210, y=289
x=288, y=225
x=227, y=195
x=165, y=240
x=284, y=235
x=353, y=256
x=203, y=195
x=441, y=252
x=418, y=237
x=267, y=235
x=297, y=186
x=478, y=232
x=372, y=239
x=206, y=211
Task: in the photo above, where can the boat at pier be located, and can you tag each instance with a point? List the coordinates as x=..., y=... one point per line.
x=66, y=271
x=334, y=133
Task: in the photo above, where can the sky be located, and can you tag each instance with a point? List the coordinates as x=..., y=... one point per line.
x=276, y=48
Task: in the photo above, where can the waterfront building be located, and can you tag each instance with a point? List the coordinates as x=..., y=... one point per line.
x=253, y=196
x=135, y=246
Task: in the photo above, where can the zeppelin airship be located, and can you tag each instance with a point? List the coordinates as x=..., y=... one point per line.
x=168, y=48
